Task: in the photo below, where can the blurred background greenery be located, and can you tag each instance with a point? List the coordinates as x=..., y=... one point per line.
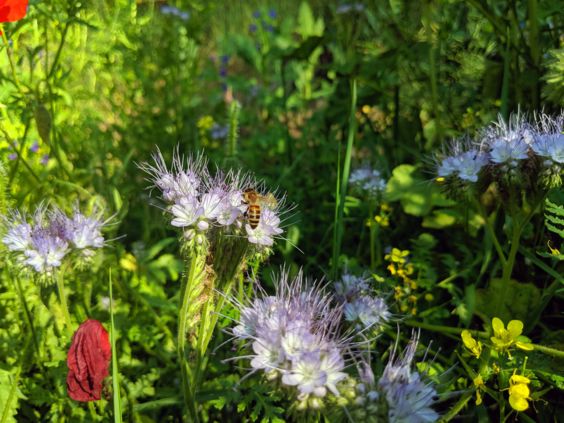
x=98, y=84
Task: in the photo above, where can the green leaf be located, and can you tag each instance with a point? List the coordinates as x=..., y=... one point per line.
x=519, y=300
x=416, y=195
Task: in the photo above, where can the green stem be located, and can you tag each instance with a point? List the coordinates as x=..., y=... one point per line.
x=190, y=285
x=342, y=187
x=457, y=331
x=549, y=351
x=115, y=368
x=63, y=301
x=491, y=232
x=26, y=312
x=10, y=59
x=372, y=227
x=453, y=412
x=443, y=329
x=59, y=50
x=510, y=262
x=506, y=78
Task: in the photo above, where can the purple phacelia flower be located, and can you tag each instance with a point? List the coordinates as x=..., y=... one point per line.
x=294, y=336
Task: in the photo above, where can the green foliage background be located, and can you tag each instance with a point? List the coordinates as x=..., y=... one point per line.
x=98, y=85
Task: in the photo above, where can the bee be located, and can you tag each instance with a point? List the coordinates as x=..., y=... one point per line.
x=255, y=201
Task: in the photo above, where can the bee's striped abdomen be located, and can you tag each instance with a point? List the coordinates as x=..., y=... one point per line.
x=253, y=215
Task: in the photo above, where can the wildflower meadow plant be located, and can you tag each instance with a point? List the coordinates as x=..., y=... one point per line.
x=49, y=242
x=217, y=240
x=294, y=338
x=492, y=367
x=362, y=307
x=518, y=162
x=43, y=241
x=401, y=394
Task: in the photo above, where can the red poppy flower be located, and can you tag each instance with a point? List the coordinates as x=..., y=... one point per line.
x=88, y=361
x=12, y=10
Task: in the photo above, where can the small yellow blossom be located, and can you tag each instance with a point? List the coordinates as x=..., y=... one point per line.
x=429, y=297
x=205, y=123
x=382, y=221
x=440, y=179
x=554, y=251
x=480, y=385
x=397, y=255
x=504, y=338
x=519, y=392
x=474, y=346
x=385, y=207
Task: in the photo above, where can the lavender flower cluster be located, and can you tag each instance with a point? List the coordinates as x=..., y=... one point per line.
x=42, y=242
x=294, y=337
x=360, y=305
x=407, y=397
x=507, y=145
x=368, y=180
x=199, y=202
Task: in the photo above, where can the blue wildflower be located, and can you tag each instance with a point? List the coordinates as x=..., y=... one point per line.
x=409, y=398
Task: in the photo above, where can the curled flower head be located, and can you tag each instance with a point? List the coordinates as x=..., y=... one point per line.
x=294, y=337
x=408, y=397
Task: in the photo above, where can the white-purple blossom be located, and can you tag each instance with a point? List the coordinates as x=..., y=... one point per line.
x=203, y=204
x=18, y=234
x=464, y=164
x=409, y=398
x=84, y=232
x=46, y=251
x=361, y=305
x=44, y=241
x=294, y=337
x=267, y=229
x=371, y=312
x=550, y=146
x=508, y=150
x=368, y=180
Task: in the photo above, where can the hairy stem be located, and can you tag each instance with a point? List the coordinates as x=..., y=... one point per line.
x=189, y=292
x=63, y=301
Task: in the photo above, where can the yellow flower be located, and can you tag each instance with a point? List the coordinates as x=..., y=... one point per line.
x=397, y=255
x=440, y=179
x=382, y=221
x=479, y=384
x=385, y=207
x=519, y=392
x=554, y=251
x=205, y=123
x=504, y=338
x=474, y=346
